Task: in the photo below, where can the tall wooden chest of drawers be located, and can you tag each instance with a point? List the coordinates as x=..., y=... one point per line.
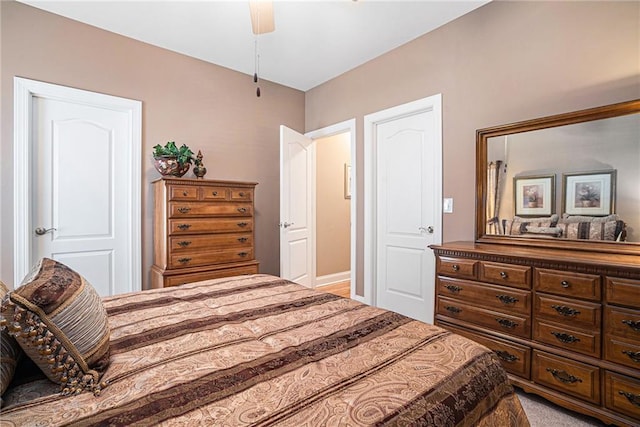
x=565, y=324
x=203, y=230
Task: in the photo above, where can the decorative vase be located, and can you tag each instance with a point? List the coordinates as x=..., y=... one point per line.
x=586, y=203
x=533, y=204
x=169, y=166
x=199, y=170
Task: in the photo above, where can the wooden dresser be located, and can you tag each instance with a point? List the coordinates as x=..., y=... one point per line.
x=564, y=323
x=203, y=230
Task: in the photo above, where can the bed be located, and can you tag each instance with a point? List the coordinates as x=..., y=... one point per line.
x=262, y=351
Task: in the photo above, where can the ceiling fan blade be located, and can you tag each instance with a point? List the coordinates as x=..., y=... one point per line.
x=261, y=16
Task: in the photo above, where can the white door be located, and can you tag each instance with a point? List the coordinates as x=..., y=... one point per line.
x=81, y=209
x=296, y=207
x=407, y=209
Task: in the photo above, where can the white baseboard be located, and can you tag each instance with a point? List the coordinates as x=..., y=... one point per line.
x=330, y=279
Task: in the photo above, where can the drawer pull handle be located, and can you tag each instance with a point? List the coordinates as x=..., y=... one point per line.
x=184, y=226
x=565, y=284
x=185, y=193
x=242, y=224
x=243, y=254
x=241, y=194
x=633, y=324
x=504, y=275
x=453, y=288
x=563, y=376
x=506, y=323
x=184, y=210
x=507, y=299
x=184, y=260
x=215, y=193
x=242, y=239
x=455, y=267
x=453, y=309
x=242, y=210
x=565, y=311
x=184, y=243
x=634, y=399
x=567, y=339
x=506, y=356
x=633, y=355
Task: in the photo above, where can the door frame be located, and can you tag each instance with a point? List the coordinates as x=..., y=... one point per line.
x=25, y=90
x=342, y=127
x=371, y=121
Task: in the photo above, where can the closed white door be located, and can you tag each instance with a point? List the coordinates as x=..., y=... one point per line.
x=81, y=205
x=296, y=208
x=407, y=209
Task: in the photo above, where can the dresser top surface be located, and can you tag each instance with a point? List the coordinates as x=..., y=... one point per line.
x=539, y=253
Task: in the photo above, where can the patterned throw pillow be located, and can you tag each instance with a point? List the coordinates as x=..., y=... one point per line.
x=58, y=319
x=595, y=230
x=10, y=352
x=570, y=219
x=518, y=225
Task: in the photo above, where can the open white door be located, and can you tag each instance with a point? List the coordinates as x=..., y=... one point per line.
x=296, y=207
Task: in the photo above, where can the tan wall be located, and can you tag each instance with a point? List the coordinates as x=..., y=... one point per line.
x=333, y=238
x=205, y=106
x=504, y=62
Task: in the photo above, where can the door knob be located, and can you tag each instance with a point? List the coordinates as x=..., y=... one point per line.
x=40, y=231
x=286, y=224
x=428, y=229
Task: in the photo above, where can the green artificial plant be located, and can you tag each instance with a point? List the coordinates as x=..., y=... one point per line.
x=183, y=154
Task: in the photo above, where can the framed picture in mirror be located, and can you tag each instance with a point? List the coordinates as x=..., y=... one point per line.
x=590, y=194
x=534, y=195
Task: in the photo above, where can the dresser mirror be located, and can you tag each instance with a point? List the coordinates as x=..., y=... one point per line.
x=569, y=181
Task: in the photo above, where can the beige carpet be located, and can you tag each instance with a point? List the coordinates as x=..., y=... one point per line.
x=542, y=413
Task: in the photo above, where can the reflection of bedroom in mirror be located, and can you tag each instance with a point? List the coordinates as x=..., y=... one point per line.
x=588, y=165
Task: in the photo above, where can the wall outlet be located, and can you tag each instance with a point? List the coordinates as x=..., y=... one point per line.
x=447, y=205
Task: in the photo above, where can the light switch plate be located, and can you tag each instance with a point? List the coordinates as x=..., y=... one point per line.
x=447, y=205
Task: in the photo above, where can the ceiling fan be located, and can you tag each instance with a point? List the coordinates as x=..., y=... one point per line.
x=261, y=16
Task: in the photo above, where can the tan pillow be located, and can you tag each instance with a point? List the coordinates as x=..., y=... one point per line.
x=570, y=219
x=59, y=321
x=10, y=351
x=518, y=225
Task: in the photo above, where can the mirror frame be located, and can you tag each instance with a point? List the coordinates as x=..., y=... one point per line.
x=482, y=137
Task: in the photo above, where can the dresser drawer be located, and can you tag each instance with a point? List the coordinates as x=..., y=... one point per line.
x=181, y=279
x=456, y=267
x=508, y=323
x=241, y=194
x=183, y=192
x=622, y=322
x=500, y=297
x=578, y=285
x=223, y=225
x=506, y=274
x=210, y=257
x=580, y=341
x=622, y=394
x=566, y=311
x=214, y=193
x=188, y=244
x=619, y=350
x=515, y=358
x=623, y=291
x=568, y=376
x=188, y=209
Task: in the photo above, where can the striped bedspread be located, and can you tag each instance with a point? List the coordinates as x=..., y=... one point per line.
x=262, y=351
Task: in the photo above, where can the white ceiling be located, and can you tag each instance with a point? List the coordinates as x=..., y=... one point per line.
x=314, y=41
